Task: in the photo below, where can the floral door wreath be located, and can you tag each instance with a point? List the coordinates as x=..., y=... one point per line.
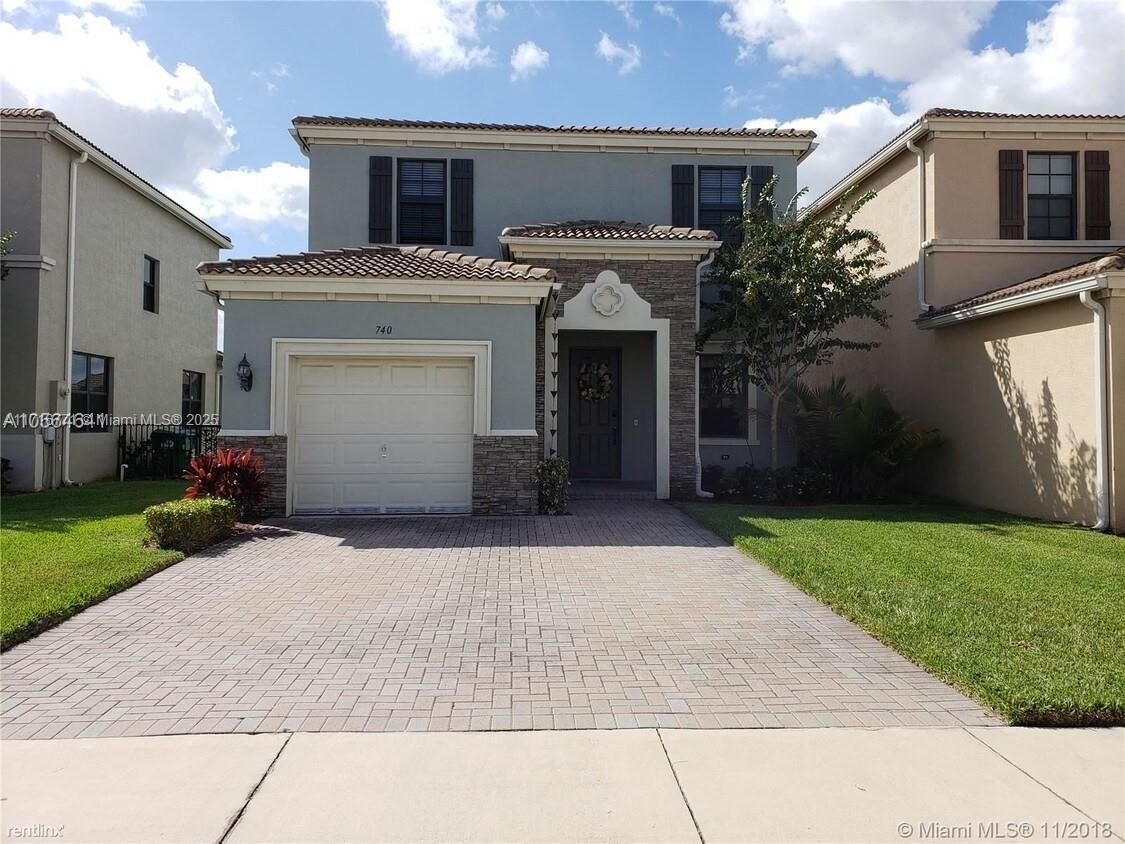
x=594, y=381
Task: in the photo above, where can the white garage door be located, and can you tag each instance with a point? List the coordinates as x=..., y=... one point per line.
x=382, y=435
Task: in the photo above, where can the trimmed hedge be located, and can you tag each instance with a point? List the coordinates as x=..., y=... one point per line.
x=191, y=524
x=553, y=477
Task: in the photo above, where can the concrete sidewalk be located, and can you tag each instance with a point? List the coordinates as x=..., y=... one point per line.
x=647, y=785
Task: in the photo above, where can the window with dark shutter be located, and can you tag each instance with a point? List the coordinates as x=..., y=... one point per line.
x=720, y=201
x=1050, y=196
x=191, y=401
x=760, y=177
x=149, y=281
x=1011, y=194
x=461, y=202
x=89, y=389
x=421, y=201
x=683, y=195
x=381, y=198
x=1097, y=194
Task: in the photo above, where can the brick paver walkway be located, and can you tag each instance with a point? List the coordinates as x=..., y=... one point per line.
x=623, y=614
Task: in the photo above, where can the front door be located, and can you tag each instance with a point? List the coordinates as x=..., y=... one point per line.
x=595, y=413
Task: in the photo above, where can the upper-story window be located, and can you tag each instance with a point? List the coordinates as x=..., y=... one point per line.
x=89, y=387
x=1050, y=196
x=421, y=201
x=720, y=201
x=150, y=283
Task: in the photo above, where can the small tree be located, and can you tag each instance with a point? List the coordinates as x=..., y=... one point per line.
x=786, y=291
x=5, y=248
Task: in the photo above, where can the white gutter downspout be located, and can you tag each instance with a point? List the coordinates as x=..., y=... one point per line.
x=923, y=305
x=68, y=349
x=1101, y=423
x=699, y=490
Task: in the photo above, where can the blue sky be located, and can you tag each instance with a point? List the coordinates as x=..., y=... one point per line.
x=197, y=96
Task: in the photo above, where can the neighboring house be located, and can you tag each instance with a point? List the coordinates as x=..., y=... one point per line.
x=1008, y=321
x=445, y=334
x=143, y=335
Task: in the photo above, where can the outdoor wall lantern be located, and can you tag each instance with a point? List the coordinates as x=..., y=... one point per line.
x=245, y=374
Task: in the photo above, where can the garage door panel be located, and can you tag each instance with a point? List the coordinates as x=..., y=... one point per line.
x=383, y=436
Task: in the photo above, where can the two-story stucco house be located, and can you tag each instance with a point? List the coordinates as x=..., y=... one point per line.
x=103, y=312
x=1008, y=321
x=473, y=302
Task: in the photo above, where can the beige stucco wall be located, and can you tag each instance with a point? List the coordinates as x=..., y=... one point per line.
x=116, y=227
x=1115, y=378
x=967, y=195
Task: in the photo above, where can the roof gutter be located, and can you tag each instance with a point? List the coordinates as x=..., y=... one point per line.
x=700, y=492
x=1011, y=303
x=923, y=305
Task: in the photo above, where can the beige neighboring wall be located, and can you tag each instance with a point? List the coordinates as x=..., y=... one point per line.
x=1115, y=384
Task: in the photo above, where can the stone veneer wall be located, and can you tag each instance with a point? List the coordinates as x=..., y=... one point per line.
x=273, y=451
x=669, y=287
x=504, y=475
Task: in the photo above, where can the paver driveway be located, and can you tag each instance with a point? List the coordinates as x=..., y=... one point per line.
x=622, y=614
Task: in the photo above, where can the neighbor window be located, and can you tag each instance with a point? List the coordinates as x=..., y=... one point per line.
x=421, y=201
x=191, y=404
x=724, y=407
x=720, y=201
x=89, y=388
x=150, y=281
x=1050, y=196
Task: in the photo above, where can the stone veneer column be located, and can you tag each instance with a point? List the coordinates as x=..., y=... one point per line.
x=504, y=475
x=273, y=450
x=669, y=287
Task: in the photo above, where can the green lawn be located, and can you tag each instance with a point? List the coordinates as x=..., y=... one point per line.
x=1027, y=617
x=66, y=549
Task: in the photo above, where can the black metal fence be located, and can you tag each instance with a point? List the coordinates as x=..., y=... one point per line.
x=153, y=452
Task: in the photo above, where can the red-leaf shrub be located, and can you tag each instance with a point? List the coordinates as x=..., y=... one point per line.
x=229, y=473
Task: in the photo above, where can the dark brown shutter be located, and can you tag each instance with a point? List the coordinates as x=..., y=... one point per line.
x=1011, y=194
x=759, y=178
x=683, y=195
x=380, y=196
x=1097, y=194
x=461, y=202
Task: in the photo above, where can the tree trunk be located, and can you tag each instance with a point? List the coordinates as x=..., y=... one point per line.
x=773, y=431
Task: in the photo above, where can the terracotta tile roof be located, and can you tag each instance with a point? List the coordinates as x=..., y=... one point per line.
x=407, y=262
x=33, y=113
x=380, y=122
x=1103, y=263
x=607, y=230
x=996, y=115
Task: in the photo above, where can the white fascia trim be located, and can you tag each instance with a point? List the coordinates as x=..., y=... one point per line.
x=891, y=151
x=29, y=262
x=302, y=287
x=513, y=432
x=608, y=248
x=959, y=244
x=1011, y=303
x=305, y=135
x=286, y=350
x=33, y=126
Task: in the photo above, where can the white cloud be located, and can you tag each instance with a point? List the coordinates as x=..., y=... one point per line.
x=628, y=58
x=277, y=70
x=495, y=12
x=625, y=7
x=732, y=97
x=894, y=39
x=251, y=198
x=1073, y=62
x=438, y=35
x=165, y=125
x=666, y=10
x=527, y=59
x=121, y=7
x=846, y=137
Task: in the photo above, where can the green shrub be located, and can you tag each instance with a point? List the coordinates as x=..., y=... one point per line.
x=553, y=477
x=712, y=478
x=189, y=525
x=787, y=485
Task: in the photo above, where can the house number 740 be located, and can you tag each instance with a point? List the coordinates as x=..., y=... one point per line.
x=383, y=329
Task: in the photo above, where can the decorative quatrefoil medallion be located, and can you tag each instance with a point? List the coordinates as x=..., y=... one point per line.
x=607, y=300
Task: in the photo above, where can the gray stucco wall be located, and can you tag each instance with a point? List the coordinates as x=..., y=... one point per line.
x=511, y=187
x=251, y=326
x=116, y=227
x=638, y=396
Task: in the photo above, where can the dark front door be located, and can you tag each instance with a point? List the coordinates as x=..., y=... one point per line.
x=595, y=413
